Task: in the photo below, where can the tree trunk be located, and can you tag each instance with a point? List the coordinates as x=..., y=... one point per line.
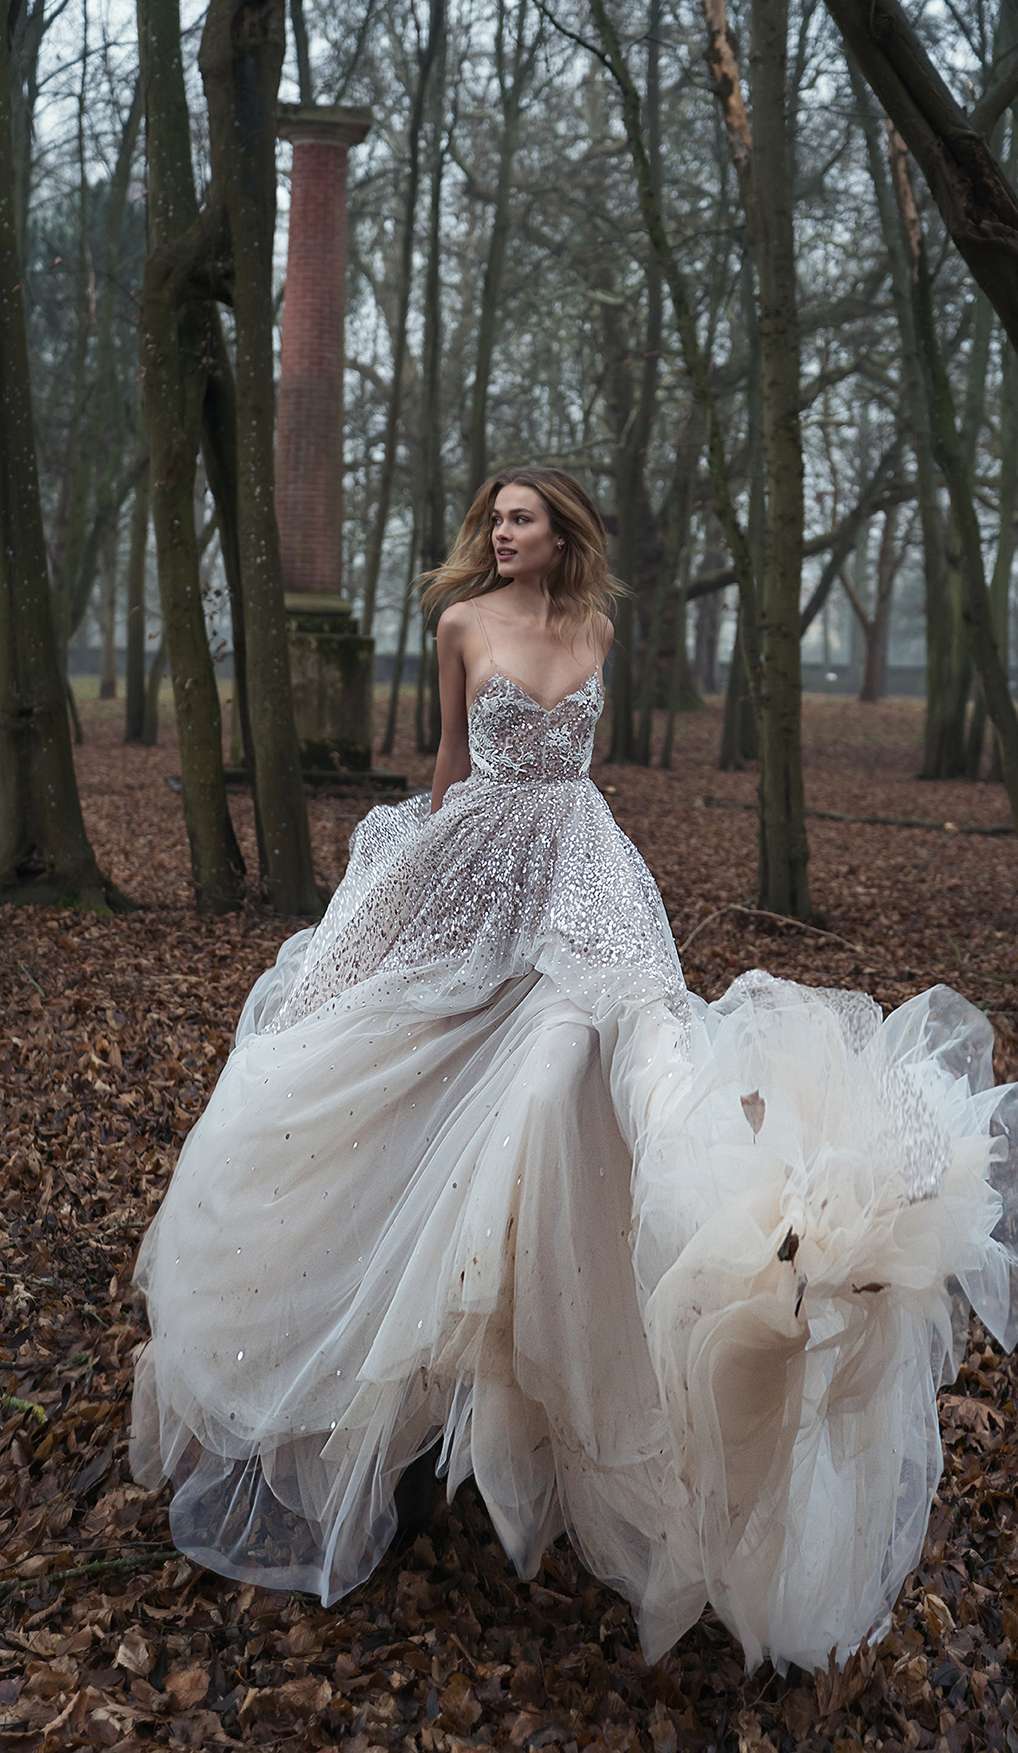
x=399, y=659
x=953, y=666
x=682, y=695
x=432, y=473
x=95, y=482
x=30, y=25
x=78, y=475
x=108, y=617
x=740, y=725
x=376, y=543
x=707, y=628
x=108, y=420
x=695, y=358
x=1007, y=486
x=153, y=686
x=897, y=220
x=302, y=51
x=1007, y=541
x=680, y=692
x=979, y=207
x=422, y=691
x=512, y=89
x=950, y=452
x=241, y=59
x=429, y=513
x=639, y=559
x=134, y=680
x=784, y=853
x=174, y=342
x=646, y=692
x=643, y=561
x=740, y=741
x=219, y=455
x=875, y=625
x=44, y=850
x=874, y=681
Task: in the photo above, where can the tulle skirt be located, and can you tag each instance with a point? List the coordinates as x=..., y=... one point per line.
x=681, y=1282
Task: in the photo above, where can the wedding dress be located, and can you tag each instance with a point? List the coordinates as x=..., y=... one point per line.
x=678, y=1278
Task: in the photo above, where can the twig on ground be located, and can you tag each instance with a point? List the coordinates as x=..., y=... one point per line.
x=146, y=1561
x=1002, y=828
x=762, y=913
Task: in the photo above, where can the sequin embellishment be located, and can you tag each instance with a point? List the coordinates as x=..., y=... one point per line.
x=524, y=853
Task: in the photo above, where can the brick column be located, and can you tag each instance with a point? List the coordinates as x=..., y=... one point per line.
x=309, y=410
x=331, y=662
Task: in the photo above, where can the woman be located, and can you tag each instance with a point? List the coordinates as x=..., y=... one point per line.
x=675, y=1277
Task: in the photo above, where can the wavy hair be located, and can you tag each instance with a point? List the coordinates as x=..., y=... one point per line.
x=579, y=581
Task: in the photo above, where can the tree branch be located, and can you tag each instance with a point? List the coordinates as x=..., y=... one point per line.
x=978, y=204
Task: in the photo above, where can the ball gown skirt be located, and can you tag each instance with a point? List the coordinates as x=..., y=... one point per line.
x=679, y=1279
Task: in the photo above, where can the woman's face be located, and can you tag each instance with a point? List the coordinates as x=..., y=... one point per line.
x=521, y=534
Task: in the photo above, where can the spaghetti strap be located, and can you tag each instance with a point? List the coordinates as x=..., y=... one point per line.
x=484, y=630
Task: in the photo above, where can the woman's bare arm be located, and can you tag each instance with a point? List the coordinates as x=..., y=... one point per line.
x=453, y=759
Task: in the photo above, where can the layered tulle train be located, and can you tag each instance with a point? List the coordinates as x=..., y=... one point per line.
x=678, y=1280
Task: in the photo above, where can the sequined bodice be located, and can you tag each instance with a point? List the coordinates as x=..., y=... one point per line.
x=514, y=739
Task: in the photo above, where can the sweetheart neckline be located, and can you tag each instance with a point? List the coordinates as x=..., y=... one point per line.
x=504, y=676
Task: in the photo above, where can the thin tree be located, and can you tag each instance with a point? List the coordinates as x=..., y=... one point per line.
x=430, y=490
x=951, y=454
x=241, y=59
x=633, y=418
x=514, y=68
x=176, y=322
x=695, y=359
x=978, y=204
x=134, y=680
x=784, y=852
x=45, y=853
x=763, y=159
x=426, y=54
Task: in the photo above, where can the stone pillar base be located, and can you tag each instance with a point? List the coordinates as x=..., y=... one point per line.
x=331, y=666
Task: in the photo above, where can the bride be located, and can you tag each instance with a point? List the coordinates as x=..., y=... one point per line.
x=679, y=1279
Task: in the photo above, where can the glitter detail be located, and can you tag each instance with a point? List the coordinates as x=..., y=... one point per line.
x=524, y=853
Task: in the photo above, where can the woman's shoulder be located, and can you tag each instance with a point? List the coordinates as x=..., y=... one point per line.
x=606, y=631
x=455, y=614
x=455, y=618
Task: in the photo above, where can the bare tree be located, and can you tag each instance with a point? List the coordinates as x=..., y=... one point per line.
x=426, y=54
x=514, y=67
x=763, y=160
x=241, y=60
x=978, y=204
x=950, y=451
x=696, y=361
x=176, y=324
x=45, y=853
x=784, y=852
x=134, y=681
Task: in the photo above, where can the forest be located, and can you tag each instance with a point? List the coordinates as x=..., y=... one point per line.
x=746, y=268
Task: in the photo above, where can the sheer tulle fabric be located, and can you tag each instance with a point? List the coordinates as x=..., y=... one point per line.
x=679, y=1279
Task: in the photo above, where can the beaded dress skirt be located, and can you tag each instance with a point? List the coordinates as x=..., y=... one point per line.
x=678, y=1279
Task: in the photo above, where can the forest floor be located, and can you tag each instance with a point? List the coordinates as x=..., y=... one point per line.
x=116, y=1031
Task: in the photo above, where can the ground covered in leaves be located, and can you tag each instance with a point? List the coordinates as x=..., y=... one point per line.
x=115, y=1030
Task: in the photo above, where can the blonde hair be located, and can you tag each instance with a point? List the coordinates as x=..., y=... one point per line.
x=579, y=581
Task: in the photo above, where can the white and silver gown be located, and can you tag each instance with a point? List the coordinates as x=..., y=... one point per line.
x=680, y=1279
